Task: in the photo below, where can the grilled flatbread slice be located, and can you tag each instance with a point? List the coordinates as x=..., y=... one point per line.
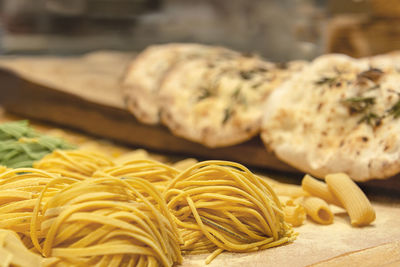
x=218, y=102
x=144, y=75
x=337, y=115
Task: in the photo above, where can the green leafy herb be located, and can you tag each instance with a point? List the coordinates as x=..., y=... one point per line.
x=359, y=104
x=246, y=75
x=228, y=112
x=238, y=98
x=370, y=118
x=395, y=110
x=327, y=80
x=363, y=105
x=236, y=93
x=204, y=93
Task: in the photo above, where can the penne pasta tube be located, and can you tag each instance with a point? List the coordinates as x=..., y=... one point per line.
x=318, y=210
x=319, y=189
x=352, y=198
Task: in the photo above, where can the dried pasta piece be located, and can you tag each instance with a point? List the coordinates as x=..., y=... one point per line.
x=319, y=189
x=294, y=213
x=352, y=198
x=318, y=210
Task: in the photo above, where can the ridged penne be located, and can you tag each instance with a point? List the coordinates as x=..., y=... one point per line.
x=318, y=210
x=319, y=189
x=352, y=198
x=294, y=213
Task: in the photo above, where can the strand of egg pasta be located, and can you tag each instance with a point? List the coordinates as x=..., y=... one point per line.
x=221, y=205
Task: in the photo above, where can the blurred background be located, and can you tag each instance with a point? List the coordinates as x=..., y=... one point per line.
x=279, y=30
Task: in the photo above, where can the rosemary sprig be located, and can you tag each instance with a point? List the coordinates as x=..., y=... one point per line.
x=204, y=93
x=228, y=112
x=327, y=80
x=236, y=93
x=238, y=97
x=359, y=104
x=246, y=75
x=395, y=110
x=363, y=105
x=370, y=118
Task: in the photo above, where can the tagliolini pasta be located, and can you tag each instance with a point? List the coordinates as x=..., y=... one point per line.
x=19, y=190
x=157, y=173
x=106, y=221
x=79, y=164
x=220, y=205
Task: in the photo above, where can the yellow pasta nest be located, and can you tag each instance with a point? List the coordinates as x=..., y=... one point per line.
x=157, y=173
x=106, y=221
x=79, y=164
x=220, y=205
